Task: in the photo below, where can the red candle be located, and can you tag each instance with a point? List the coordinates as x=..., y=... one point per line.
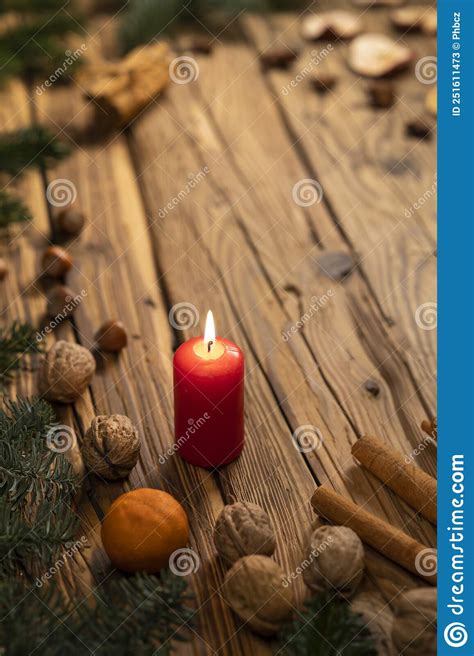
x=208, y=377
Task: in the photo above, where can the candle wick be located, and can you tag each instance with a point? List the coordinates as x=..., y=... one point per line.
x=209, y=344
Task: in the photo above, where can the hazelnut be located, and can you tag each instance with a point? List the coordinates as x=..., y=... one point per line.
x=3, y=268
x=65, y=372
x=60, y=301
x=243, y=529
x=71, y=221
x=56, y=261
x=414, y=627
x=381, y=94
x=323, y=81
x=111, y=336
x=336, y=560
x=111, y=446
x=278, y=56
x=255, y=589
x=418, y=128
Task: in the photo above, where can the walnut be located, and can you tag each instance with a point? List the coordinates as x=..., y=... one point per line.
x=335, y=560
x=414, y=628
x=111, y=446
x=243, y=529
x=66, y=371
x=256, y=590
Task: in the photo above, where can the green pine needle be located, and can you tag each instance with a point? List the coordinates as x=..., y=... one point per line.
x=142, y=614
x=32, y=6
x=147, y=20
x=37, y=484
x=16, y=340
x=327, y=627
x=37, y=46
x=12, y=210
x=30, y=147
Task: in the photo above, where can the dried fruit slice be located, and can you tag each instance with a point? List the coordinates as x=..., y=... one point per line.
x=336, y=24
x=377, y=55
x=416, y=17
x=431, y=101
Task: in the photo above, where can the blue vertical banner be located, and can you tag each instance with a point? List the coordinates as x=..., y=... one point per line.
x=456, y=327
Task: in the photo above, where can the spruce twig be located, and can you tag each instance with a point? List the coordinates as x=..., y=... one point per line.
x=16, y=340
x=34, y=146
x=12, y=210
x=148, y=20
x=37, y=484
x=327, y=627
x=37, y=45
x=142, y=614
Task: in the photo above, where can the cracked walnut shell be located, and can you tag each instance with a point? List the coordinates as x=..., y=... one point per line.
x=65, y=372
x=256, y=590
x=243, y=529
x=111, y=446
x=335, y=560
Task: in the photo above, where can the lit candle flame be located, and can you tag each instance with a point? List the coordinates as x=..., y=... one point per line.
x=209, y=331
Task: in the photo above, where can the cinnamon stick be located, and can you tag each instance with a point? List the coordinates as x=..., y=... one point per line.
x=389, y=541
x=411, y=483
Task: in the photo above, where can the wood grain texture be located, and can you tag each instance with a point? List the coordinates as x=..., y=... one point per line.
x=336, y=357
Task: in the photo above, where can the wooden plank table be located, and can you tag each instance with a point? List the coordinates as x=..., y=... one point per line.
x=240, y=244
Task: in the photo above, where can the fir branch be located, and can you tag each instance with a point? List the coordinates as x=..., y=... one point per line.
x=142, y=614
x=12, y=210
x=327, y=627
x=33, y=146
x=15, y=341
x=30, y=471
x=32, y=416
x=146, y=20
x=37, y=45
x=32, y=6
x=34, y=544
